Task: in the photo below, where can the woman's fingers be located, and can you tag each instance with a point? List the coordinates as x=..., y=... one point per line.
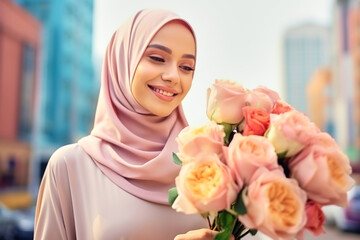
x=199, y=234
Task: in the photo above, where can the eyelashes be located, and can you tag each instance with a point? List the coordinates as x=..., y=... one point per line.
x=162, y=60
x=187, y=68
x=157, y=59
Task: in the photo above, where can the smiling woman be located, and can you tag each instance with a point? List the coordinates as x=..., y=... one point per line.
x=113, y=183
x=164, y=74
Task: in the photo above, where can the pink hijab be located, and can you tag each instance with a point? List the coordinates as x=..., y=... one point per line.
x=131, y=146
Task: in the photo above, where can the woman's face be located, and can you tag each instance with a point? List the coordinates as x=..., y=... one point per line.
x=164, y=74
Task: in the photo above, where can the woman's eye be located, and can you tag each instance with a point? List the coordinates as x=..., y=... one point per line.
x=158, y=59
x=187, y=68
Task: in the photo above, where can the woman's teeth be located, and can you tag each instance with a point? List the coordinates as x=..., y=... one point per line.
x=169, y=94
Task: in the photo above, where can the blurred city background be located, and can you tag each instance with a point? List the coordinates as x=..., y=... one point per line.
x=50, y=76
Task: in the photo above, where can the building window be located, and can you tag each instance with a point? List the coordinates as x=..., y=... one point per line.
x=27, y=91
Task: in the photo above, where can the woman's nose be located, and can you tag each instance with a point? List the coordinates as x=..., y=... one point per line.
x=171, y=74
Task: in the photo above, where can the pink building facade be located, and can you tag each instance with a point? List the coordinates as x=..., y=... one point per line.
x=18, y=31
x=20, y=44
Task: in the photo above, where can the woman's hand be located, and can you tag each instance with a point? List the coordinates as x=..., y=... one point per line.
x=199, y=234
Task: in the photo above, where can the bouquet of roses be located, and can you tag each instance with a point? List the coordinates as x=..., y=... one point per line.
x=258, y=165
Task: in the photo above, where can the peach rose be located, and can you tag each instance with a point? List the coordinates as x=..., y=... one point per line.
x=289, y=132
x=315, y=218
x=225, y=101
x=256, y=121
x=281, y=106
x=204, y=186
x=205, y=139
x=246, y=154
x=323, y=171
x=275, y=205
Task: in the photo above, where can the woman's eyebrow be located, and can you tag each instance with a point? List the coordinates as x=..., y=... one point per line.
x=161, y=47
x=189, y=56
x=168, y=50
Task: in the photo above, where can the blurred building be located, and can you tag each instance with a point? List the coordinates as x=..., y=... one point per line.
x=346, y=68
x=69, y=89
x=20, y=52
x=319, y=97
x=306, y=48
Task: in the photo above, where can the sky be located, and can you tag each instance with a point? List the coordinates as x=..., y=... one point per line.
x=237, y=40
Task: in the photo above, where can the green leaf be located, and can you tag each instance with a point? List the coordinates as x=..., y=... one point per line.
x=226, y=219
x=224, y=235
x=176, y=159
x=172, y=195
x=239, y=206
x=228, y=129
x=253, y=231
x=282, y=154
x=227, y=222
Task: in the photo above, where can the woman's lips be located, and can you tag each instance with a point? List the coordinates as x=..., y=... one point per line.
x=164, y=93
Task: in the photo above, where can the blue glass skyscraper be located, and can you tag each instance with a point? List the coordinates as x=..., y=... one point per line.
x=68, y=87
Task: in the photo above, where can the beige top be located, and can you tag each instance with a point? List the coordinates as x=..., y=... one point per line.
x=77, y=201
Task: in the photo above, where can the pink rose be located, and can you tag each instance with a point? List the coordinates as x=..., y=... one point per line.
x=315, y=218
x=325, y=140
x=275, y=205
x=289, y=132
x=225, y=101
x=323, y=171
x=246, y=154
x=281, y=107
x=274, y=96
x=256, y=121
x=204, y=185
x=258, y=99
x=205, y=139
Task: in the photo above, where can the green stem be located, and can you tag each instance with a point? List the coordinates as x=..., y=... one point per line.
x=244, y=234
x=210, y=225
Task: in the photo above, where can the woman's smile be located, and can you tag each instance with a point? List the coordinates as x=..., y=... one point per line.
x=164, y=93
